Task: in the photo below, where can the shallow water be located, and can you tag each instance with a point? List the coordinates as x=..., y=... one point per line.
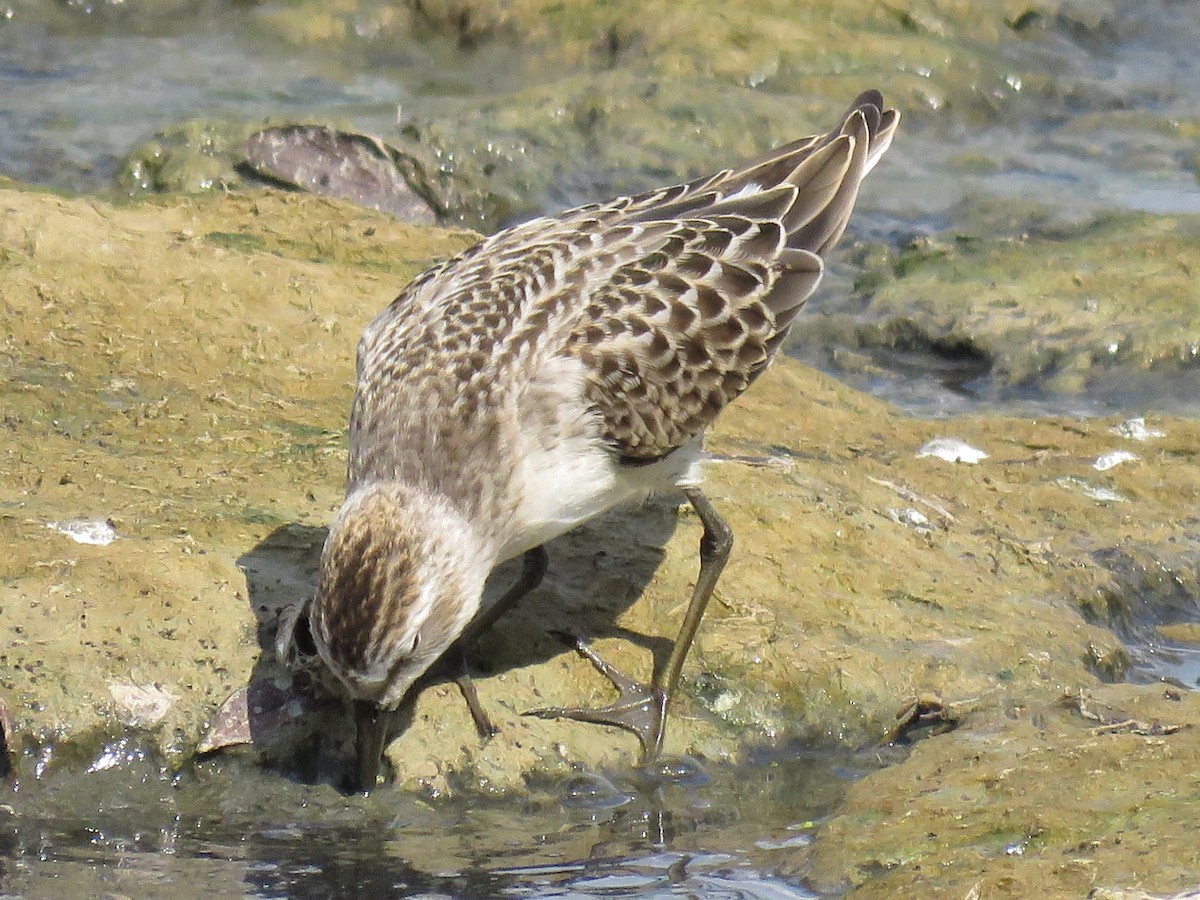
x=80, y=92
x=1170, y=661
x=222, y=830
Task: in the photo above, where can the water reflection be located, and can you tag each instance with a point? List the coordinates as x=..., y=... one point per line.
x=231, y=829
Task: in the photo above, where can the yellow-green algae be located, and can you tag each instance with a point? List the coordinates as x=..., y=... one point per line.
x=184, y=368
x=1095, y=306
x=1043, y=799
x=774, y=44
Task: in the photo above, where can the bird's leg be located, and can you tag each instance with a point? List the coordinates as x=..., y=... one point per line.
x=642, y=708
x=454, y=660
x=466, y=687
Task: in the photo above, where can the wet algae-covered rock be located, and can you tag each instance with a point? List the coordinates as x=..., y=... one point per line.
x=191, y=157
x=1089, y=791
x=1107, y=308
x=177, y=377
x=510, y=109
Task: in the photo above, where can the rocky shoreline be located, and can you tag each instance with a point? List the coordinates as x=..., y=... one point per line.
x=178, y=373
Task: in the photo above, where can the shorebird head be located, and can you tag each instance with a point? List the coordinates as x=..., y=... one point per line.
x=396, y=587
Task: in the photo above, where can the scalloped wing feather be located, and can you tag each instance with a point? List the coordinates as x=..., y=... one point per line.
x=674, y=301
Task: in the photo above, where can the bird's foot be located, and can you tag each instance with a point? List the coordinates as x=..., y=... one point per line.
x=640, y=708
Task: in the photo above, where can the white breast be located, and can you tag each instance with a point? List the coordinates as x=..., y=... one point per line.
x=566, y=475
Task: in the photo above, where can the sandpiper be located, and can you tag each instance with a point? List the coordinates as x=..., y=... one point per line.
x=547, y=374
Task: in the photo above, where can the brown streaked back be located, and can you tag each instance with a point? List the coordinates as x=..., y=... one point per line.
x=674, y=301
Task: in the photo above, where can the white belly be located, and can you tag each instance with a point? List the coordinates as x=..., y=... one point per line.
x=580, y=479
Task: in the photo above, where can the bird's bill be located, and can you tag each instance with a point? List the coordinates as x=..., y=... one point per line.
x=371, y=726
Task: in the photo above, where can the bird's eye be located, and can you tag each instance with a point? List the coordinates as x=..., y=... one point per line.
x=415, y=644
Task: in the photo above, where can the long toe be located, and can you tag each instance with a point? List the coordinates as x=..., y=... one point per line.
x=640, y=708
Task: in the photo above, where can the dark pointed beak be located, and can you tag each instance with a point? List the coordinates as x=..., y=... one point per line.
x=371, y=725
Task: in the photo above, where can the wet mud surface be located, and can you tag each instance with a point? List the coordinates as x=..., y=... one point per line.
x=177, y=374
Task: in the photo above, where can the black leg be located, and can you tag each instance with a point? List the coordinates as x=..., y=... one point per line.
x=642, y=708
x=533, y=570
x=454, y=660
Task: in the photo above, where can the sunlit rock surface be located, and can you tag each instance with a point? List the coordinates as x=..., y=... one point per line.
x=182, y=371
